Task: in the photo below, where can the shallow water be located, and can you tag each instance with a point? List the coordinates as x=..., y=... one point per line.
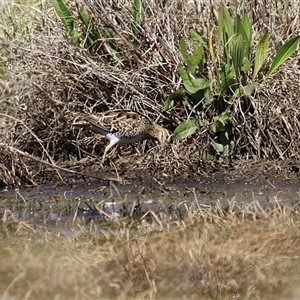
x=60, y=207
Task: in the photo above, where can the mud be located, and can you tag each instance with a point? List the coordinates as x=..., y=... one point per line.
x=57, y=205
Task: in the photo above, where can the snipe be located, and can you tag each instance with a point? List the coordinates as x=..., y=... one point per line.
x=124, y=127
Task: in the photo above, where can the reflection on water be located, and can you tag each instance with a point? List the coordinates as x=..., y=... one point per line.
x=61, y=207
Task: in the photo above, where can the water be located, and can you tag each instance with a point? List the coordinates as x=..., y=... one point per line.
x=61, y=206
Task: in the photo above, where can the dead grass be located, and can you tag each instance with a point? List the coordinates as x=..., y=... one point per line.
x=242, y=252
x=51, y=82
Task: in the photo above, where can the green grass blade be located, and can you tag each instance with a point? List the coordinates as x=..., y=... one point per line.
x=284, y=53
x=93, y=35
x=261, y=53
x=137, y=15
x=67, y=19
x=111, y=46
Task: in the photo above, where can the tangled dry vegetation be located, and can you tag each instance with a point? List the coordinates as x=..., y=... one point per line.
x=243, y=252
x=51, y=82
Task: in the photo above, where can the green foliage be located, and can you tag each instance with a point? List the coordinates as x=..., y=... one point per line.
x=233, y=73
x=284, y=53
x=94, y=39
x=137, y=15
x=186, y=128
x=93, y=36
x=261, y=53
x=67, y=19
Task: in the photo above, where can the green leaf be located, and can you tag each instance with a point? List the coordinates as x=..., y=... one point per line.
x=137, y=15
x=207, y=96
x=196, y=60
x=246, y=65
x=192, y=85
x=261, y=53
x=200, y=83
x=225, y=26
x=243, y=27
x=93, y=35
x=284, y=53
x=183, y=51
x=187, y=128
x=67, y=19
x=197, y=38
x=218, y=147
x=171, y=100
x=188, y=84
x=227, y=78
x=247, y=32
x=220, y=121
x=237, y=54
x=244, y=90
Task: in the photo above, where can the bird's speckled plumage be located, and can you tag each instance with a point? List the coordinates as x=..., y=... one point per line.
x=124, y=127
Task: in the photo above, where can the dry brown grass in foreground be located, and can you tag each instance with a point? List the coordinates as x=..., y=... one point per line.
x=241, y=252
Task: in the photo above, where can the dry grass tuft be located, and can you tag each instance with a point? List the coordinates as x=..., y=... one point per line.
x=245, y=252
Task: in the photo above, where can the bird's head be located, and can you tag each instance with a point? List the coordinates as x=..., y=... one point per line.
x=162, y=135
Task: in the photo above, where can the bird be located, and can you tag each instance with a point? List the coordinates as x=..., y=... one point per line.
x=124, y=127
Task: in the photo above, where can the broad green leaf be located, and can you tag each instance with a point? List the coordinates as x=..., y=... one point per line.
x=246, y=24
x=284, y=53
x=192, y=85
x=246, y=64
x=261, y=53
x=200, y=83
x=218, y=147
x=196, y=60
x=207, y=96
x=237, y=54
x=244, y=90
x=171, y=100
x=197, y=38
x=186, y=128
x=67, y=19
x=188, y=84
